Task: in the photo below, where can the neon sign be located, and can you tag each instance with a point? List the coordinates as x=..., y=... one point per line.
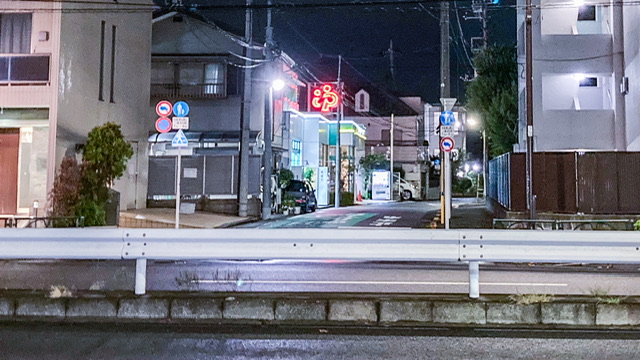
x=324, y=98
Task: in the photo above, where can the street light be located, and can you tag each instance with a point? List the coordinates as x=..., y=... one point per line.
x=473, y=123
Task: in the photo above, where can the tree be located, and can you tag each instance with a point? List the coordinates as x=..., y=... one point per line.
x=105, y=157
x=65, y=194
x=372, y=162
x=493, y=94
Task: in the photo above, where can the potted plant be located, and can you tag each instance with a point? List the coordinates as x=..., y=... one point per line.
x=288, y=204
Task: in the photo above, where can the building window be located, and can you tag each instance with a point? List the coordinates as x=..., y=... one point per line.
x=589, y=82
x=188, y=79
x=113, y=62
x=101, y=80
x=296, y=153
x=587, y=13
x=15, y=33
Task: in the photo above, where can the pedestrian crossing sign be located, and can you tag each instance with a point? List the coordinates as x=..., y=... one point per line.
x=179, y=140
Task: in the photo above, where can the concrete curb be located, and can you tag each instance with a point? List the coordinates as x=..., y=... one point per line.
x=314, y=311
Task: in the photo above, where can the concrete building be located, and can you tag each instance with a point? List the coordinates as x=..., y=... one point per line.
x=585, y=66
x=64, y=69
x=196, y=61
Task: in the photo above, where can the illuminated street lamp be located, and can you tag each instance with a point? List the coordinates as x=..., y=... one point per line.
x=277, y=85
x=473, y=123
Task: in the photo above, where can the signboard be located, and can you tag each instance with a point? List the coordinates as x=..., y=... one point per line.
x=324, y=98
x=380, y=189
x=445, y=130
x=322, y=190
x=179, y=140
x=163, y=125
x=446, y=144
x=181, y=109
x=164, y=108
x=180, y=123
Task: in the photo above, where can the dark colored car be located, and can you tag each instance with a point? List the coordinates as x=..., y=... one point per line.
x=303, y=194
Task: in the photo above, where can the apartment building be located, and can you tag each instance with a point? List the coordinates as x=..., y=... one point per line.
x=64, y=69
x=585, y=62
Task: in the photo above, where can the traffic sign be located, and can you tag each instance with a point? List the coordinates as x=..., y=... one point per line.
x=163, y=125
x=447, y=118
x=445, y=130
x=180, y=122
x=180, y=140
x=164, y=108
x=446, y=144
x=181, y=109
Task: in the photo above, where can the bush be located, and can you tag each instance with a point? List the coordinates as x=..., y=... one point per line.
x=346, y=198
x=65, y=194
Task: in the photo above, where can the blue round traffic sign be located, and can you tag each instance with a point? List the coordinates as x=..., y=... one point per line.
x=180, y=109
x=447, y=118
x=163, y=125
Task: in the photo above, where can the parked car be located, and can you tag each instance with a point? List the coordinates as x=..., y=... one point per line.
x=303, y=194
x=407, y=190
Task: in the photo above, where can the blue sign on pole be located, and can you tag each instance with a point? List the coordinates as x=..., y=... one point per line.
x=446, y=118
x=179, y=140
x=180, y=109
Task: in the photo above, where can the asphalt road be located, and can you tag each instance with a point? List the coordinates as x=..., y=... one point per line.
x=62, y=342
x=406, y=214
x=289, y=276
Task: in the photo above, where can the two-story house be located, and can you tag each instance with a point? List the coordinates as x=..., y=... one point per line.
x=64, y=69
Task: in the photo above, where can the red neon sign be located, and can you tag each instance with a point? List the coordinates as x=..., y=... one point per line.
x=324, y=98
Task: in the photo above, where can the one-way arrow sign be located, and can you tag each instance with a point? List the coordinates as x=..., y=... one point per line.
x=180, y=140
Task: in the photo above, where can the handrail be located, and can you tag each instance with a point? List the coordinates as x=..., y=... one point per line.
x=472, y=246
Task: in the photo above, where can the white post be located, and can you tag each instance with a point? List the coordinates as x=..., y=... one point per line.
x=178, y=187
x=447, y=188
x=474, y=279
x=141, y=277
x=391, y=160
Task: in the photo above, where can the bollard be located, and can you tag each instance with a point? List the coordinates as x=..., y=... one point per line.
x=474, y=279
x=141, y=277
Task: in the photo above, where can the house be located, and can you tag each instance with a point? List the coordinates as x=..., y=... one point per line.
x=64, y=71
x=195, y=61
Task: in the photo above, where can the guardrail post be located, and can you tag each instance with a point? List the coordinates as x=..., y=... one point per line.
x=141, y=276
x=474, y=279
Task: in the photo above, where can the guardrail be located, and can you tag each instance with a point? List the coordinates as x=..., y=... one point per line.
x=463, y=246
x=541, y=224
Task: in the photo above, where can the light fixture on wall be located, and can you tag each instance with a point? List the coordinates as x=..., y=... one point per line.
x=579, y=76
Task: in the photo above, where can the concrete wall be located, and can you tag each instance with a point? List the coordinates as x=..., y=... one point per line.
x=372, y=311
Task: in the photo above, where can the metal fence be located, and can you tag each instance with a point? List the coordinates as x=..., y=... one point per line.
x=569, y=182
x=457, y=246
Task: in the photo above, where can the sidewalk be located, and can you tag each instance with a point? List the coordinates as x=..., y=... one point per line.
x=166, y=218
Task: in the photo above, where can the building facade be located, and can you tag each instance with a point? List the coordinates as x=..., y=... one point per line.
x=65, y=69
x=585, y=62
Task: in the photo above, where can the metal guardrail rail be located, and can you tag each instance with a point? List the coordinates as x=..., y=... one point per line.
x=462, y=246
x=539, y=224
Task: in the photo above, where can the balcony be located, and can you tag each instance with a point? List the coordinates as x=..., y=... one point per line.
x=188, y=91
x=24, y=70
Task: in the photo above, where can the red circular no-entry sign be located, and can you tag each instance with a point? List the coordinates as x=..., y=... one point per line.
x=446, y=144
x=164, y=108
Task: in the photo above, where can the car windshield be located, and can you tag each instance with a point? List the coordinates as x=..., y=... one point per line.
x=295, y=186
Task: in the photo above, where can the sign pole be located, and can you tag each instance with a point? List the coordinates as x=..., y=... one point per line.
x=447, y=189
x=178, y=187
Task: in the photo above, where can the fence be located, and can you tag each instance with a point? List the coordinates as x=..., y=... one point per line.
x=459, y=246
x=569, y=182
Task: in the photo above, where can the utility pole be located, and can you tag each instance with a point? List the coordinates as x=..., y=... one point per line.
x=391, y=159
x=529, y=110
x=392, y=68
x=444, y=93
x=268, y=119
x=245, y=119
x=340, y=108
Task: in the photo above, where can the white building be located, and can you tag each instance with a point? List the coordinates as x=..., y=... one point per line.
x=64, y=69
x=585, y=66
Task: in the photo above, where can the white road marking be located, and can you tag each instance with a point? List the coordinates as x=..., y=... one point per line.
x=355, y=282
x=385, y=221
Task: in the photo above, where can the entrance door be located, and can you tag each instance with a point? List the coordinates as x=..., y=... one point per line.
x=9, y=146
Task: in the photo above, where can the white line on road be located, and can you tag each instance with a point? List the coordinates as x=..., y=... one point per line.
x=352, y=282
